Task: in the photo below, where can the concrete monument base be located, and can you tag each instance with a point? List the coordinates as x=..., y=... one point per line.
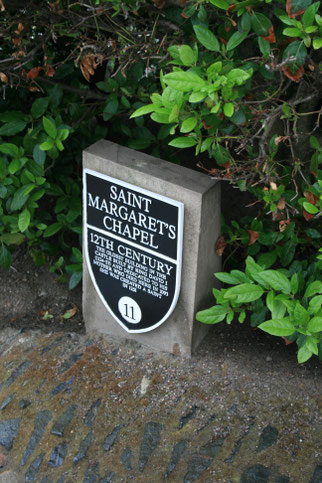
x=180, y=333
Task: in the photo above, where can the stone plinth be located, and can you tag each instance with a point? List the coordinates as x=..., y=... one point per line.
x=200, y=195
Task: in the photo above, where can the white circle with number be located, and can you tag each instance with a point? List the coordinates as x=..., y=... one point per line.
x=130, y=310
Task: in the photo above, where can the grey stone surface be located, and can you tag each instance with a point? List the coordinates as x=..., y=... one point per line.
x=70, y=362
x=8, y=432
x=212, y=448
x=7, y=400
x=317, y=476
x=91, y=414
x=18, y=372
x=34, y=467
x=24, y=403
x=64, y=420
x=58, y=455
x=92, y=473
x=256, y=474
x=197, y=465
x=83, y=447
x=177, y=452
x=126, y=458
x=180, y=333
x=150, y=442
x=110, y=438
x=267, y=438
x=41, y=421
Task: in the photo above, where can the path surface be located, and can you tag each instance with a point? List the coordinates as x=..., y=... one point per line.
x=74, y=409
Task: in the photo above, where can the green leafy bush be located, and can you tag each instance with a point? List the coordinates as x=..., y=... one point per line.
x=235, y=83
x=284, y=303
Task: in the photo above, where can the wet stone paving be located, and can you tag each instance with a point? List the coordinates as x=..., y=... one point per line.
x=75, y=409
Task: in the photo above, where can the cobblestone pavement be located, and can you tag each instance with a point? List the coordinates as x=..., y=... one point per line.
x=74, y=409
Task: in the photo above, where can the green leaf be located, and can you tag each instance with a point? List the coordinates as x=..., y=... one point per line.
x=266, y=260
x=312, y=345
x=206, y=38
x=314, y=142
x=227, y=278
x=242, y=316
x=39, y=155
x=312, y=233
x=187, y=55
x=260, y=24
x=183, y=142
x=315, y=304
x=24, y=220
x=294, y=283
x=246, y=292
x=242, y=277
x=236, y=39
x=264, y=46
x=74, y=280
x=47, y=145
x=280, y=327
x=12, y=238
x=12, y=128
x=20, y=197
x=313, y=288
x=228, y=109
x=315, y=324
x=317, y=43
x=110, y=109
x=238, y=76
x=220, y=4
x=39, y=107
x=221, y=154
x=171, y=96
x=63, y=134
x=5, y=257
x=52, y=229
x=173, y=116
x=49, y=127
x=276, y=280
x=11, y=149
x=275, y=306
x=259, y=313
x=253, y=269
x=3, y=191
x=295, y=49
x=303, y=354
x=197, y=96
x=213, y=315
x=312, y=209
x=213, y=70
x=77, y=254
x=287, y=20
x=292, y=32
x=10, y=116
x=143, y=110
x=161, y=117
x=184, y=81
x=59, y=145
x=309, y=14
x=188, y=124
x=14, y=166
x=300, y=314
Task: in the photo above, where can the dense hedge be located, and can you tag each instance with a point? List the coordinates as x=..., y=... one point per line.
x=235, y=83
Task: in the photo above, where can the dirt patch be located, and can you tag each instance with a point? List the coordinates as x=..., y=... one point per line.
x=32, y=298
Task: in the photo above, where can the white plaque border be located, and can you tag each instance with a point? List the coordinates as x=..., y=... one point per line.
x=178, y=262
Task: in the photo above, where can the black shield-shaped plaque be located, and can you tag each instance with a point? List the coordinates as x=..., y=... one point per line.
x=133, y=249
